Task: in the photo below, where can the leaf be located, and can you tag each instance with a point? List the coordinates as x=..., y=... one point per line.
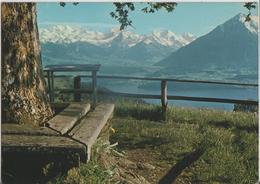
x=249, y=6
x=122, y=11
x=62, y=4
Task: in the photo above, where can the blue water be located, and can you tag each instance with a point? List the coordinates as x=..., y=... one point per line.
x=208, y=90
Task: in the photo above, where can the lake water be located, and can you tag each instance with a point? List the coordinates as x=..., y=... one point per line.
x=207, y=90
x=182, y=89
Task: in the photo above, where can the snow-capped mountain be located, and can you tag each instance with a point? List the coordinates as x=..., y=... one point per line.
x=169, y=39
x=64, y=34
x=69, y=34
x=63, y=42
x=231, y=47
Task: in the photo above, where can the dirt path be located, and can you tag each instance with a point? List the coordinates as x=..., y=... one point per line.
x=152, y=168
x=148, y=163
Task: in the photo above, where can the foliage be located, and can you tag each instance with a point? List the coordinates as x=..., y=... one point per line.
x=246, y=108
x=87, y=173
x=63, y=4
x=249, y=6
x=91, y=172
x=122, y=10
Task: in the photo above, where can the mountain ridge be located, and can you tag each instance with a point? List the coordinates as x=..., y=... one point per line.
x=68, y=34
x=78, y=43
x=231, y=47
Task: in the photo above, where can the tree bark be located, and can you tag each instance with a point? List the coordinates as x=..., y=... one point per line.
x=24, y=96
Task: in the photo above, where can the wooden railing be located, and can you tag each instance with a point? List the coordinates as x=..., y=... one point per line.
x=164, y=97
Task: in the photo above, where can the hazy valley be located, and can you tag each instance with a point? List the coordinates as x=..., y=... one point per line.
x=227, y=53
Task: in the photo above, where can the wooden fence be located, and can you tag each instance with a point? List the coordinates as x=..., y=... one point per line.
x=163, y=96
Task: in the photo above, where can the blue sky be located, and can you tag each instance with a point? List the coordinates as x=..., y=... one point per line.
x=197, y=18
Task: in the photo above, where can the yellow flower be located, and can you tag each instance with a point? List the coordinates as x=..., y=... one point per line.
x=113, y=130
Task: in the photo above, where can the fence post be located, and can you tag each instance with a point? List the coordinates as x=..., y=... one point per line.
x=49, y=85
x=52, y=87
x=94, y=88
x=164, y=100
x=77, y=95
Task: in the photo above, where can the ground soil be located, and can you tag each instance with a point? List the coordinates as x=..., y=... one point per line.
x=151, y=167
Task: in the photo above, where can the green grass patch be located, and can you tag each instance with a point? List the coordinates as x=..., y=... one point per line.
x=229, y=140
x=91, y=172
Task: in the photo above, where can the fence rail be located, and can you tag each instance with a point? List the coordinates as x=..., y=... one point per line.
x=164, y=97
x=160, y=79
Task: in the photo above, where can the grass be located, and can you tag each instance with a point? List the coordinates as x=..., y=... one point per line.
x=229, y=141
x=192, y=146
x=92, y=172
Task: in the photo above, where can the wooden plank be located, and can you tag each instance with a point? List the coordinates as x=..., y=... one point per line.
x=169, y=80
x=164, y=101
x=89, y=128
x=8, y=128
x=170, y=97
x=218, y=100
x=65, y=120
x=82, y=90
x=52, y=87
x=41, y=144
x=77, y=85
x=94, y=89
x=74, y=67
x=159, y=79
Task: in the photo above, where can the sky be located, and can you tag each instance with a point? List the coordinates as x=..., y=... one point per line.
x=197, y=18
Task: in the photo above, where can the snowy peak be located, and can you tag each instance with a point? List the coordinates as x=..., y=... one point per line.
x=169, y=39
x=69, y=34
x=126, y=39
x=231, y=48
x=188, y=37
x=238, y=22
x=115, y=37
x=252, y=25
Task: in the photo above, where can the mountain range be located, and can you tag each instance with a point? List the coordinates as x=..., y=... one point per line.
x=230, y=49
x=64, y=43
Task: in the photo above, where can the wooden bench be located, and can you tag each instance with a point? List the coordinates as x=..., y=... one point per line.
x=16, y=129
x=71, y=132
x=25, y=139
x=65, y=120
x=89, y=127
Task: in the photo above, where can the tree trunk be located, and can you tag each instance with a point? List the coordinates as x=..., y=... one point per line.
x=24, y=97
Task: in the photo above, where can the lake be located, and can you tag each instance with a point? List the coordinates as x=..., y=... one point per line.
x=184, y=89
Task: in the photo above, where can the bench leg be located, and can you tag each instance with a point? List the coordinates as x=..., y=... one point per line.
x=94, y=88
